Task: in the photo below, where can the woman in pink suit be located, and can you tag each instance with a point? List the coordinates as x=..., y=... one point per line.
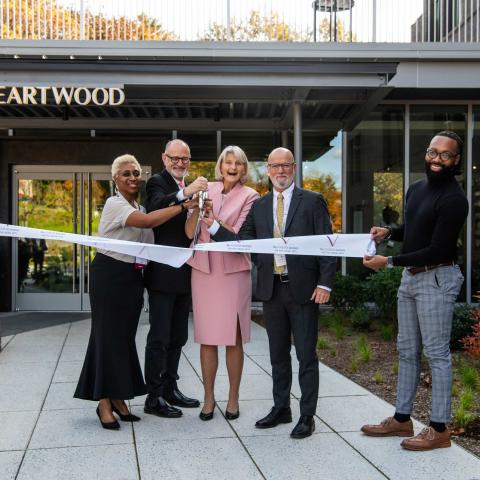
x=221, y=282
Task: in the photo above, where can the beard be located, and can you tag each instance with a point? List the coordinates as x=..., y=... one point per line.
x=446, y=173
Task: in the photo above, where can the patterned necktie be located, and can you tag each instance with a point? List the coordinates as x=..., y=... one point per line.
x=181, y=185
x=278, y=229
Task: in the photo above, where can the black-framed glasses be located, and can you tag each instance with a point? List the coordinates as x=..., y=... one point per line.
x=174, y=159
x=128, y=173
x=278, y=166
x=444, y=156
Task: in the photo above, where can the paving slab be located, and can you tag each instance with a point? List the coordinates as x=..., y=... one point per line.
x=332, y=384
x=252, y=387
x=22, y=397
x=74, y=428
x=205, y=459
x=321, y=457
x=26, y=373
x=16, y=429
x=67, y=371
x=348, y=414
x=9, y=463
x=188, y=427
x=73, y=353
x=253, y=410
x=18, y=354
x=109, y=462
x=453, y=463
x=60, y=397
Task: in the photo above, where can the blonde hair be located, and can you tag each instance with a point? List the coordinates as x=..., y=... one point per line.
x=122, y=160
x=239, y=155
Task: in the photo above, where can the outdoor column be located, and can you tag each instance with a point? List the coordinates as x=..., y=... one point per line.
x=284, y=138
x=297, y=142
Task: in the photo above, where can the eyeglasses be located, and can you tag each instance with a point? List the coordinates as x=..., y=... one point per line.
x=444, y=156
x=128, y=173
x=176, y=160
x=278, y=166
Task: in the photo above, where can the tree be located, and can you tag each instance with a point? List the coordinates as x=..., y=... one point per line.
x=256, y=28
x=49, y=19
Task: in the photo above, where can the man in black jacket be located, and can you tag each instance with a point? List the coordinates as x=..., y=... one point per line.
x=291, y=287
x=435, y=211
x=168, y=287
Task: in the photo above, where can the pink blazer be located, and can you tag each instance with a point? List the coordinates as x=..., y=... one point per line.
x=232, y=211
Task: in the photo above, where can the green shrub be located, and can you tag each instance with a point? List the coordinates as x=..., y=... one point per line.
x=462, y=325
x=467, y=398
x=382, y=289
x=348, y=292
x=338, y=329
x=331, y=318
x=395, y=368
x=363, y=349
x=354, y=365
x=378, y=377
x=470, y=377
x=387, y=332
x=360, y=318
x=462, y=418
x=322, y=343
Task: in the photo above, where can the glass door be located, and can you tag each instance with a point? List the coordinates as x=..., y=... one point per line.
x=47, y=274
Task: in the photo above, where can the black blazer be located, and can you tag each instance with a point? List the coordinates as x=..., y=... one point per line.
x=307, y=215
x=161, y=193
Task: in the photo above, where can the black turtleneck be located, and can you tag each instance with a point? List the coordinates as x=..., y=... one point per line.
x=435, y=211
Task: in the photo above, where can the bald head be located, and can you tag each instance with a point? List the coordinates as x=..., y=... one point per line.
x=281, y=168
x=176, y=158
x=280, y=154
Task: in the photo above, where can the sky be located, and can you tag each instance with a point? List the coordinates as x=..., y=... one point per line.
x=189, y=19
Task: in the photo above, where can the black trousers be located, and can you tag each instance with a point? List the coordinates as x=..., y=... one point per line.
x=167, y=335
x=283, y=317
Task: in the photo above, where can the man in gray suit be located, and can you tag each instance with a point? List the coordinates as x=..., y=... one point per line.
x=291, y=287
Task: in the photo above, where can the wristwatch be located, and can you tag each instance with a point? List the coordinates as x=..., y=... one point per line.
x=390, y=262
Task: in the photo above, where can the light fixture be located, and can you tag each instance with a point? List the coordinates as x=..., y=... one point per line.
x=72, y=57
x=92, y=133
x=99, y=57
x=10, y=132
x=44, y=57
x=16, y=57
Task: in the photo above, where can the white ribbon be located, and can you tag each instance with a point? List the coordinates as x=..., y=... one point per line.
x=335, y=245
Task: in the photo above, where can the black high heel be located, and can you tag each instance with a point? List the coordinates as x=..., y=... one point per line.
x=108, y=425
x=129, y=417
x=206, y=416
x=232, y=415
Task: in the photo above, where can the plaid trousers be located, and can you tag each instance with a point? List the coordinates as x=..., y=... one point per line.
x=425, y=311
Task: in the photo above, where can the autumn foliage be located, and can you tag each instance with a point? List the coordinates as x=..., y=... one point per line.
x=471, y=344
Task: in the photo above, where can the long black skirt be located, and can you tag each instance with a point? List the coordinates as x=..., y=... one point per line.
x=111, y=368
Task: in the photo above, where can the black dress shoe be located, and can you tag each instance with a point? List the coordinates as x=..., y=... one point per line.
x=161, y=408
x=129, y=417
x=108, y=425
x=206, y=416
x=232, y=415
x=275, y=417
x=304, y=428
x=180, y=400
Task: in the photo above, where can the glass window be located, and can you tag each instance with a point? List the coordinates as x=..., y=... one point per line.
x=322, y=170
x=375, y=153
x=475, y=207
x=425, y=122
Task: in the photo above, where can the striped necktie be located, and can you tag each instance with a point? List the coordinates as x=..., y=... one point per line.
x=278, y=229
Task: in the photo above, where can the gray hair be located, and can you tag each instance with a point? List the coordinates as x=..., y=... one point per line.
x=239, y=155
x=122, y=160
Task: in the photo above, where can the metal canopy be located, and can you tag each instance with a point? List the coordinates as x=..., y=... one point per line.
x=198, y=93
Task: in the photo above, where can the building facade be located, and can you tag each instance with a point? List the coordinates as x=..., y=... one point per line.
x=357, y=115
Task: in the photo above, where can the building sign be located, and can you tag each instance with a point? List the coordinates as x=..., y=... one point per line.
x=61, y=96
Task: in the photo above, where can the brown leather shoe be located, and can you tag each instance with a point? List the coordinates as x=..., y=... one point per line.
x=389, y=428
x=428, y=439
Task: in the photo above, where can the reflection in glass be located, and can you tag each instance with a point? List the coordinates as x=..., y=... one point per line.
x=375, y=153
x=475, y=207
x=322, y=171
x=46, y=266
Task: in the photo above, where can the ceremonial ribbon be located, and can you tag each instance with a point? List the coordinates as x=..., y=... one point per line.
x=334, y=245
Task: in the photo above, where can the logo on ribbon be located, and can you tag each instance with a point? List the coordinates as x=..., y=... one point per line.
x=331, y=240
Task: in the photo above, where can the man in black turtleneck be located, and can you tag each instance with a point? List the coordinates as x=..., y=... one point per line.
x=435, y=211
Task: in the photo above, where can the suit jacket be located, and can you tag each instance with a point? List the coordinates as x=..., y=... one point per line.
x=161, y=193
x=232, y=210
x=307, y=215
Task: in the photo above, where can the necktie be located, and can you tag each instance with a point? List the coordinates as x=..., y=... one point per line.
x=278, y=230
x=181, y=185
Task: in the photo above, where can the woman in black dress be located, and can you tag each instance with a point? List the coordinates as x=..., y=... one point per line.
x=111, y=371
